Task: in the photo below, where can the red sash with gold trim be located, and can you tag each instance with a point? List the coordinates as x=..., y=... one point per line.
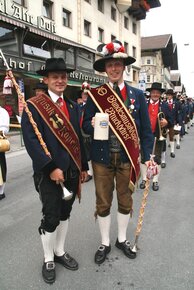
x=121, y=123
x=59, y=125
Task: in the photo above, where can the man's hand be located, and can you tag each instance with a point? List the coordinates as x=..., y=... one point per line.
x=84, y=175
x=57, y=175
x=163, y=123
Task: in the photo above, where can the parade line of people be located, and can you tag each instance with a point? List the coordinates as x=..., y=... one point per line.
x=139, y=125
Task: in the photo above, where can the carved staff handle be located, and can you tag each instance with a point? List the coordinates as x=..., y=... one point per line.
x=21, y=97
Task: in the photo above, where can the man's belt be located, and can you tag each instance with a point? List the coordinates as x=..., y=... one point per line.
x=61, y=127
x=121, y=123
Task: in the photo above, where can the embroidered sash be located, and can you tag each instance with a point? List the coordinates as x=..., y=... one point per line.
x=59, y=124
x=121, y=123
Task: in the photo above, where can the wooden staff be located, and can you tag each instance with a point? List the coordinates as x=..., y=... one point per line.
x=143, y=203
x=22, y=99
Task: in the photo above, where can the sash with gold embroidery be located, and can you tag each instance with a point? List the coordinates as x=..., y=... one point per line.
x=59, y=125
x=121, y=123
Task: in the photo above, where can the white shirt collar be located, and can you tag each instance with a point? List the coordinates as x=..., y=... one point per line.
x=53, y=96
x=152, y=102
x=121, y=86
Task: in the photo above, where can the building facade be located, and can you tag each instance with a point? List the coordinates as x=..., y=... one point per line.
x=33, y=30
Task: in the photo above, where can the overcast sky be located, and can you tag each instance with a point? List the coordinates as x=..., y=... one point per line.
x=177, y=18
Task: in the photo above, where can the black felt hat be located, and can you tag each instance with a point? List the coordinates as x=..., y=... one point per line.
x=54, y=65
x=170, y=92
x=40, y=86
x=156, y=86
x=112, y=50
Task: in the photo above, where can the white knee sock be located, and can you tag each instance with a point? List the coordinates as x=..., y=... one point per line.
x=163, y=157
x=48, y=240
x=156, y=177
x=61, y=233
x=177, y=137
x=104, y=225
x=143, y=168
x=2, y=187
x=123, y=220
x=172, y=146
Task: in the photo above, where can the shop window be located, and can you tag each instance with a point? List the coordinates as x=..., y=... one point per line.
x=84, y=59
x=148, y=61
x=113, y=13
x=134, y=76
x=113, y=37
x=66, y=18
x=101, y=5
x=134, y=51
x=8, y=40
x=148, y=79
x=100, y=34
x=64, y=51
x=87, y=28
x=47, y=9
x=126, y=22
x=134, y=28
x=35, y=45
x=126, y=46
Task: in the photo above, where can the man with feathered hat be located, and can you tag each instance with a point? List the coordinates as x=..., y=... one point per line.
x=116, y=161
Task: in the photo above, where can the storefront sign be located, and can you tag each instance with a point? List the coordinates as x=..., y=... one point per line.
x=15, y=63
x=91, y=78
x=8, y=7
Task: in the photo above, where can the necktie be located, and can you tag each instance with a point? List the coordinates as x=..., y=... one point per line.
x=62, y=104
x=117, y=90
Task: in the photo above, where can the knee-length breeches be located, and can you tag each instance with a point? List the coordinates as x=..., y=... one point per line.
x=54, y=208
x=105, y=178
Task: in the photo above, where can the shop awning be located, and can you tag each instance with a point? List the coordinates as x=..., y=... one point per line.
x=33, y=76
x=74, y=83
x=12, y=21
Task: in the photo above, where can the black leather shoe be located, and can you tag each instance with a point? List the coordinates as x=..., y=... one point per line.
x=142, y=184
x=155, y=186
x=172, y=155
x=178, y=146
x=125, y=247
x=163, y=165
x=67, y=261
x=48, y=272
x=2, y=196
x=101, y=254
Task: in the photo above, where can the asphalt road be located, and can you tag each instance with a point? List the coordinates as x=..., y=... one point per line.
x=165, y=260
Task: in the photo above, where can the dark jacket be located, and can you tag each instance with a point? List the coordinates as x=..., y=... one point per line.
x=60, y=157
x=100, y=149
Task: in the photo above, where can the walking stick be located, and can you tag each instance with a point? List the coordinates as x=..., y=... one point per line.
x=152, y=170
x=22, y=99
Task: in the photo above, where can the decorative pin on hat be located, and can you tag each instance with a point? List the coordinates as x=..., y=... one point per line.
x=112, y=50
x=86, y=87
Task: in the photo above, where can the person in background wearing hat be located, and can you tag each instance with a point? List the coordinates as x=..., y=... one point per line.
x=40, y=88
x=86, y=138
x=57, y=119
x=159, y=124
x=4, y=129
x=113, y=160
x=175, y=110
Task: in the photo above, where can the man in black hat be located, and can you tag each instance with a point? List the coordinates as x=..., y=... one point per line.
x=116, y=160
x=40, y=88
x=161, y=119
x=60, y=172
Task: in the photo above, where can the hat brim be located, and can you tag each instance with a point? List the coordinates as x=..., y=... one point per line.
x=151, y=89
x=99, y=64
x=44, y=72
